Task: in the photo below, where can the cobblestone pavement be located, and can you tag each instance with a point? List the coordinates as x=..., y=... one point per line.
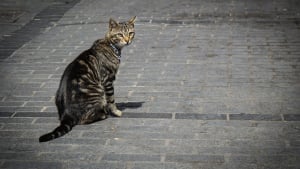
x=14, y=14
x=205, y=84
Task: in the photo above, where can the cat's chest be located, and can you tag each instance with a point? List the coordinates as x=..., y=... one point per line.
x=108, y=73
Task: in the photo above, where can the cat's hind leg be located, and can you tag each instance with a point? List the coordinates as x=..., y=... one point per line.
x=98, y=113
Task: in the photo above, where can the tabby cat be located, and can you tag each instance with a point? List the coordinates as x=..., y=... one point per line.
x=86, y=92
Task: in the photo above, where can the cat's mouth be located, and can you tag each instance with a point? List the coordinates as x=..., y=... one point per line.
x=121, y=45
x=127, y=42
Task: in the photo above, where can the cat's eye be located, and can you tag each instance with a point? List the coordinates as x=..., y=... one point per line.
x=120, y=35
x=131, y=33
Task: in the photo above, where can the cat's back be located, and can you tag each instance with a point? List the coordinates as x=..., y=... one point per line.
x=76, y=66
x=87, y=59
x=91, y=65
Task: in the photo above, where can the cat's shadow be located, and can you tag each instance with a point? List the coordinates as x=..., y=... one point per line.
x=129, y=105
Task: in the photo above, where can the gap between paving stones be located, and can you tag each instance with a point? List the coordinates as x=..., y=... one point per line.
x=189, y=116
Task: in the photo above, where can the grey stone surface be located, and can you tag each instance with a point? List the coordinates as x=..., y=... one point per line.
x=38, y=16
x=205, y=84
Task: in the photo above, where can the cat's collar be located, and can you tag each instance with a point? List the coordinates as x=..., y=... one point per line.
x=116, y=50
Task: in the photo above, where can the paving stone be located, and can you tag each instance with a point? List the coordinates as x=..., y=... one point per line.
x=95, y=165
x=31, y=164
x=196, y=158
x=147, y=165
x=140, y=142
x=201, y=116
x=130, y=157
x=70, y=157
x=16, y=120
x=291, y=117
x=265, y=117
x=6, y=114
x=35, y=114
x=10, y=134
x=147, y=115
x=80, y=141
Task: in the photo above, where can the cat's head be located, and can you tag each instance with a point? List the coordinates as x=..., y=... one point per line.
x=121, y=33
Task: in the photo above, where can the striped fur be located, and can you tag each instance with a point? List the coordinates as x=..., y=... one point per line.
x=86, y=91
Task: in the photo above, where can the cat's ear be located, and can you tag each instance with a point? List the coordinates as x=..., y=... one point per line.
x=132, y=20
x=112, y=24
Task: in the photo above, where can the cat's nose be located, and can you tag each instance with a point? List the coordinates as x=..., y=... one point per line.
x=126, y=40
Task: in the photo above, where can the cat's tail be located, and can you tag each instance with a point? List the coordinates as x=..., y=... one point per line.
x=64, y=127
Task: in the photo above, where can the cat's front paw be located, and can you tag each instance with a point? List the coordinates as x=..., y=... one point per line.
x=117, y=113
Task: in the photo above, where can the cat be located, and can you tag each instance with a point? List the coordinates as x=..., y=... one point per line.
x=86, y=91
